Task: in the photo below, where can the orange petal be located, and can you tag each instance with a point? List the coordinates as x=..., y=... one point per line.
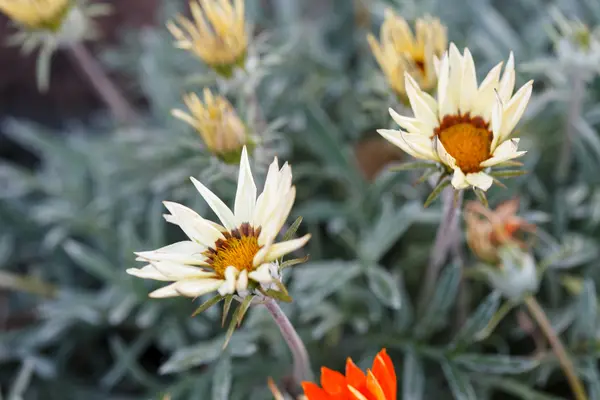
x=314, y=392
x=374, y=387
x=333, y=382
x=383, y=371
x=354, y=376
x=355, y=394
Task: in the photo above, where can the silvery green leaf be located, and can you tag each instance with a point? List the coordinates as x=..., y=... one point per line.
x=222, y=379
x=90, y=261
x=444, y=182
x=579, y=250
x=413, y=377
x=384, y=286
x=496, y=364
x=459, y=382
x=478, y=321
x=443, y=298
x=586, y=313
x=317, y=280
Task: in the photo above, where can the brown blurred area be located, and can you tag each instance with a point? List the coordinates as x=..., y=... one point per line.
x=69, y=95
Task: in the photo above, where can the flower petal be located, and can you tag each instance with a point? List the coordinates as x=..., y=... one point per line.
x=480, y=179
x=228, y=286
x=217, y=205
x=148, y=272
x=166, y=291
x=507, y=84
x=497, y=113
x=314, y=392
x=195, y=227
x=242, y=281
x=245, y=197
x=486, y=95
x=514, y=110
x=262, y=274
x=421, y=107
x=333, y=382
x=459, y=181
x=176, y=271
x=468, y=92
x=412, y=125
x=447, y=105
x=282, y=248
x=354, y=375
x=375, y=387
x=443, y=155
x=417, y=145
x=185, y=252
x=197, y=287
x=385, y=376
x=506, y=151
x=455, y=77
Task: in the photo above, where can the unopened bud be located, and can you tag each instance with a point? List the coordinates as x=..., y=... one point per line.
x=515, y=275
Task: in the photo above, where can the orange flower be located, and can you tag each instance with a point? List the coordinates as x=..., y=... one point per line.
x=379, y=383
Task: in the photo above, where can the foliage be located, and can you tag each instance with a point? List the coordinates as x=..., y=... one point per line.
x=79, y=327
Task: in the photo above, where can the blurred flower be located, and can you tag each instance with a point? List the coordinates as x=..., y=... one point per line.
x=467, y=128
x=231, y=259
x=51, y=24
x=515, y=274
x=223, y=44
x=219, y=125
x=379, y=383
x=400, y=51
x=488, y=230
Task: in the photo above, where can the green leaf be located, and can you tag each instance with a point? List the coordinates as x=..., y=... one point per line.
x=91, y=261
x=291, y=263
x=383, y=285
x=226, y=307
x=508, y=173
x=478, y=320
x=584, y=327
x=459, y=382
x=497, y=364
x=407, y=166
x=425, y=176
x=443, y=298
x=232, y=325
x=222, y=378
x=243, y=308
x=207, y=304
x=317, y=280
x=437, y=191
x=480, y=194
x=413, y=377
x=289, y=234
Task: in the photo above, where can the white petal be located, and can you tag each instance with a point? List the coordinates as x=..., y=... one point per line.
x=507, y=84
x=282, y=248
x=515, y=108
x=185, y=252
x=197, y=287
x=469, y=83
x=444, y=156
x=282, y=215
x=506, y=151
x=412, y=125
x=195, y=227
x=217, y=205
x=419, y=104
x=269, y=192
x=418, y=146
x=459, y=180
x=167, y=291
x=455, y=77
x=175, y=271
x=245, y=197
x=261, y=274
x=497, y=114
x=242, y=281
x=228, y=286
x=486, y=95
x=147, y=272
x=447, y=106
x=480, y=179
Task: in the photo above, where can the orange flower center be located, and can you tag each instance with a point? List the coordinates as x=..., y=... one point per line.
x=466, y=139
x=237, y=249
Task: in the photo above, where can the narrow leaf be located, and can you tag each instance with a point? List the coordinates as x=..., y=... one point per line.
x=413, y=378
x=289, y=234
x=226, y=307
x=459, y=383
x=436, y=192
x=221, y=384
x=508, y=173
x=207, y=304
x=291, y=263
x=244, y=308
x=481, y=196
x=497, y=364
x=383, y=285
x=407, y=166
x=231, y=328
x=478, y=320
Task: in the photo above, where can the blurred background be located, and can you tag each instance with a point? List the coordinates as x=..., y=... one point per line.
x=80, y=191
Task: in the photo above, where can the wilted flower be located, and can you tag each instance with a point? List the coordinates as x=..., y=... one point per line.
x=467, y=128
x=401, y=51
x=217, y=122
x=222, y=44
x=488, y=230
x=379, y=383
x=232, y=258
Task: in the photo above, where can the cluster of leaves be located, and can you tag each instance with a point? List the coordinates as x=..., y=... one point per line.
x=74, y=325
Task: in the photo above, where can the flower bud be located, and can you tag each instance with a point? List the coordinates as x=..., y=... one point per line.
x=515, y=275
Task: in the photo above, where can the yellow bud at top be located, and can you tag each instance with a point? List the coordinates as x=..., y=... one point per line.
x=400, y=51
x=217, y=123
x=222, y=41
x=36, y=14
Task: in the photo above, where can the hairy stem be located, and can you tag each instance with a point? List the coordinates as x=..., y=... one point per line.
x=448, y=232
x=103, y=85
x=565, y=362
x=302, y=371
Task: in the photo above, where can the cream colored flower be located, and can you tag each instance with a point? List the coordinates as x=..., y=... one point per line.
x=226, y=258
x=217, y=122
x=222, y=44
x=467, y=128
x=400, y=51
x=37, y=14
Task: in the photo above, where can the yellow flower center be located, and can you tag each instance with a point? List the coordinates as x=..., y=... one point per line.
x=466, y=139
x=237, y=249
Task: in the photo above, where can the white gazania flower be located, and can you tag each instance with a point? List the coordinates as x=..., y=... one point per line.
x=227, y=257
x=468, y=127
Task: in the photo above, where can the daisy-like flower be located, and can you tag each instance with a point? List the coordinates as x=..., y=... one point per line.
x=217, y=123
x=487, y=230
x=37, y=14
x=231, y=258
x=467, y=128
x=379, y=383
x=222, y=44
x=400, y=51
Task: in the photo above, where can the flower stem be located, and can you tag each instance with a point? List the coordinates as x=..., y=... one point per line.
x=104, y=86
x=447, y=234
x=565, y=362
x=302, y=371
